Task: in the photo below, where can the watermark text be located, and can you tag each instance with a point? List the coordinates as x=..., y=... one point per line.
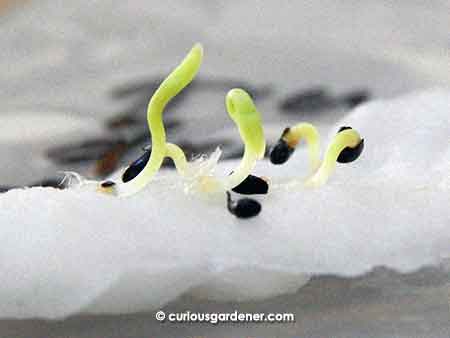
x=224, y=317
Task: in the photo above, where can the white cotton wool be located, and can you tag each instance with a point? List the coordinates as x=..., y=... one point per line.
x=78, y=251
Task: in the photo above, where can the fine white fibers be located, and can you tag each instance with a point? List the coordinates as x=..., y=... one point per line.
x=78, y=251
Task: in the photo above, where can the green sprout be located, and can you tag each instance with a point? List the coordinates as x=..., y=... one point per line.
x=346, y=142
x=346, y=146
x=289, y=140
x=243, y=112
x=170, y=87
x=178, y=157
x=310, y=134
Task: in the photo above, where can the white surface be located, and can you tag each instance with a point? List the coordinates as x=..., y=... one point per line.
x=75, y=250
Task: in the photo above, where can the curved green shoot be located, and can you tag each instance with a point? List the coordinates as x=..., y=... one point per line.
x=346, y=138
x=243, y=112
x=310, y=134
x=180, y=77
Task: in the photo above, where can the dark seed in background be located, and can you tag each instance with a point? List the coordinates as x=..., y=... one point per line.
x=355, y=98
x=244, y=207
x=219, y=84
x=140, y=92
x=136, y=112
x=224, y=84
x=252, y=185
x=110, y=160
x=318, y=99
x=310, y=100
x=121, y=121
x=136, y=87
x=85, y=151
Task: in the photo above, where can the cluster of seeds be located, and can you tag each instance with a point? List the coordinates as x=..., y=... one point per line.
x=345, y=147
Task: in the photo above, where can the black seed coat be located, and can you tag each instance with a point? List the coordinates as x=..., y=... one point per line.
x=281, y=152
x=244, y=207
x=136, y=167
x=252, y=185
x=351, y=154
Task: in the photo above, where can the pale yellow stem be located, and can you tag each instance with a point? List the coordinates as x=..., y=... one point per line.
x=244, y=169
x=346, y=138
x=178, y=157
x=310, y=134
x=180, y=77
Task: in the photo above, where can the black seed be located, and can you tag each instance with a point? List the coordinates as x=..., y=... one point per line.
x=136, y=167
x=356, y=97
x=244, y=207
x=252, y=185
x=343, y=128
x=281, y=152
x=285, y=131
x=107, y=184
x=351, y=154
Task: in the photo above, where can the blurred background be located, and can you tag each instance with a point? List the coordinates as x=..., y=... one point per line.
x=76, y=76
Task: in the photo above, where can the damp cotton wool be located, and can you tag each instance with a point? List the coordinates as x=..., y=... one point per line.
x=92, y=249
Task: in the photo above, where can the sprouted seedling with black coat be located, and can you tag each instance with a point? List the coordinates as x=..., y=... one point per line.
x=345, y=147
